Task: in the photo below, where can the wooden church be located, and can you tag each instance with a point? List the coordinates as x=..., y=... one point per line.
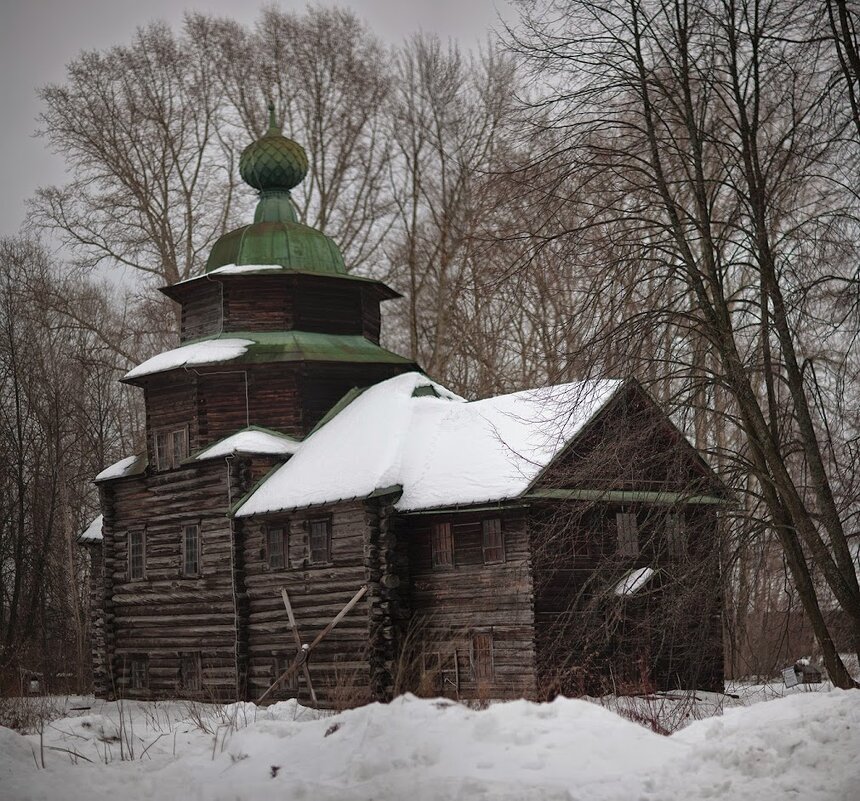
x=313, y=516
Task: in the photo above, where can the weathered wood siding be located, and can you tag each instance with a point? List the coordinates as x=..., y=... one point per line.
x=166, y=614
x=201, y=313
x=171, y=403
x=339, y=666
x=96, y=617
x=472, y=596
x=588, y=638
x=280, y=303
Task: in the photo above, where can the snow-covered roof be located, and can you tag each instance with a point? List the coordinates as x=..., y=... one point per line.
x=130, y=466
x=441, y=450
x=93, y=532
x=634, y=581
x=210, y=351
x=251, y=440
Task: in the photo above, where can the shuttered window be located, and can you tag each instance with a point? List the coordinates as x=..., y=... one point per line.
x=628, y=534
x=171, y=447
x=189, y=671
x=482, y=656
x=280, y=664
x=136, y=555
x=676, y=536
x=139, y=672
x=276, y=547
x=191, y=550
x=319, y=541
x=441, y=545
x=493, y=541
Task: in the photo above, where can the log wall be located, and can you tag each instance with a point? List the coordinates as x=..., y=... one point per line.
x=453, y=603
x=280, y=303
x=591, y=640
x=339, y=666
x=166, y=614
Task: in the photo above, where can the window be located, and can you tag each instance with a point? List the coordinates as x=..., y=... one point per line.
x=280, y=663
x=319, y=541
x=189, y=671
x=494, y=541
x=440, y=673
x=139, y=672
x=191, y=550
x=676, y=535
x=482, y=656
x=441, y=545
x=277, y=548
x=136, y=555
x=171, y=447
x=628, y=534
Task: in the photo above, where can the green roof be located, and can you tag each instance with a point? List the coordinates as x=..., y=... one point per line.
x=274, y=164
x=269, y=347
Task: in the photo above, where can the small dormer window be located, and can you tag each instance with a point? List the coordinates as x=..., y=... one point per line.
x=171, y=447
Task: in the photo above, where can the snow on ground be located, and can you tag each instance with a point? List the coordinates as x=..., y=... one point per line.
x=803, y=746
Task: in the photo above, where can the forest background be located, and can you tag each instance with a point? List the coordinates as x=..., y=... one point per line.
x=650, y=188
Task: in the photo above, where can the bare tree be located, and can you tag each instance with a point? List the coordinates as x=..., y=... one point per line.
x=700, y=135
x=142, y=129
x=62, y=417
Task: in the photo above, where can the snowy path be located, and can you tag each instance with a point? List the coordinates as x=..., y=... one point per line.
x=805, y=746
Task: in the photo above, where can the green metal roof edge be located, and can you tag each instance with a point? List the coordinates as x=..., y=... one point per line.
x=480, y=506
x=194, y=457
x=626, y=496
x=292, y=346
x=377, y=493
x=335, y=410
x=277, y=270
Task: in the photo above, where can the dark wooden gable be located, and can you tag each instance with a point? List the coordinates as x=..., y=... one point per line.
x=631, y=444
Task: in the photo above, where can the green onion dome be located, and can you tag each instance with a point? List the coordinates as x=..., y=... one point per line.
x=273, y=161
x=274, y=165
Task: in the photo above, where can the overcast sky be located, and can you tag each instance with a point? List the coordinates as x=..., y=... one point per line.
x=39, y=37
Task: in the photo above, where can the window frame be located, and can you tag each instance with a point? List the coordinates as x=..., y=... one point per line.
x=442, y=533
x=199, y=543
x=169, y=460
x=326, y=521
x=485, y=548
x=676, y=535
x=280, y=663
x=627, y=536
x=284, y=531
x=482, y=672
x=132, y=533
x=135, y=680
x=185, y=682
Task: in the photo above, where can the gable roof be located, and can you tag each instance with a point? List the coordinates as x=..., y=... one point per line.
x=253, y=440
x=438, y=448
x=93, y=532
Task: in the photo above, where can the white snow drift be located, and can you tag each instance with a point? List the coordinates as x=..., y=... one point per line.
x=804, y=746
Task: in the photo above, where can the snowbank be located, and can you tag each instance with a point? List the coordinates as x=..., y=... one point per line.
x=803, y=746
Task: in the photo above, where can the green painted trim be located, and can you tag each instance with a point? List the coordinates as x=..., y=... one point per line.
x=272, y=347
x=377, y=493
x=174, y=291
x=513, y=503
x=627, y=496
